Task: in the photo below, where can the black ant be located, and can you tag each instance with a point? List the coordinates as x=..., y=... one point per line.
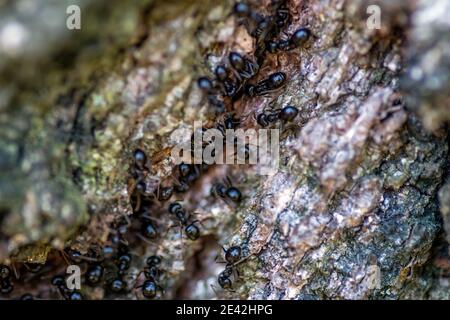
x=150, y=286
x=26, y=296
x=282, y=16
x=94, y=274
x=164, y=193
x=229, y=123
x=230, y=87
x=285, y=114
x=244, y=67
x=224, y=278
x=117, y=284
x=298, y=38
x=227, y=191
x=206, y=85
x=187, y=175
x=232, y=257
x=191, y=230
x=60, y=283
x=263, y=31
x=118, y=229
x=232, y=254
x=273, y=82
x=148, y=229
x=139, y=164
x=6, y=286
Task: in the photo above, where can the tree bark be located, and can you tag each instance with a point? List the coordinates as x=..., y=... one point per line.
x=358, y=208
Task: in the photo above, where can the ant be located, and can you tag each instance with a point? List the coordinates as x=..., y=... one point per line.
x=285, y=114
x=232, y=257
x=206, y=85
x=232, y=254
x=224, y=278
x=60, y=283
x=26, y=296
x=263, y=31
x=6, y=286
x=227, y=191
x=123, y=262
x=137, y=188
x=150, y=286
x=229, y=123
x=94, y=274
x=273, y=82
x=191, y=230
x=230, y=87
x=298, y=38
x=148, y=229
x=187, y=175
x=282, y=16
x=164, y=193
x=244, y=67
x=243, y=10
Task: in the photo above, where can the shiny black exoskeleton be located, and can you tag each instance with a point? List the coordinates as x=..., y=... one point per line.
x=224, y=278
x=232, y=257
x=244, y=67
x=164, y=193
x=139, y=164
x=122, y=261
x=285, y=114
x=187, y=175
x=148, y=229
x=94, y=274
x=230, y=122
x=273, y=82
x=230, y=87
x=60, y=283
x=207, y=86
x=227, y=191
x=190, y=228
x=150, y=287
x=243, y=10
x=6, y=285
x=298, y=39
x=232, y=254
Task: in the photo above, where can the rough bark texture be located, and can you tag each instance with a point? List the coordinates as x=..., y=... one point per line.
x=364, y=175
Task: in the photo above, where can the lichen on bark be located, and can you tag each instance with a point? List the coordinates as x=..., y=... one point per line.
x=361, y=184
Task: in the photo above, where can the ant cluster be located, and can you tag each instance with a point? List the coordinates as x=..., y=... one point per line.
x=235, y=80
x=108, y=265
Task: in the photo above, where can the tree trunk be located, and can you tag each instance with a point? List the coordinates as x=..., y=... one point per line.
x=358, y=208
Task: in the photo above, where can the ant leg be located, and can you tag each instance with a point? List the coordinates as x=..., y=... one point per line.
x=16, y=273
x=143, y=239
x=146, y=216
x=64, y=255
x=138, y=204
x=136, y=295
x=228, y=181
x=215, y=260
x=161, y=289
x=214, y=290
